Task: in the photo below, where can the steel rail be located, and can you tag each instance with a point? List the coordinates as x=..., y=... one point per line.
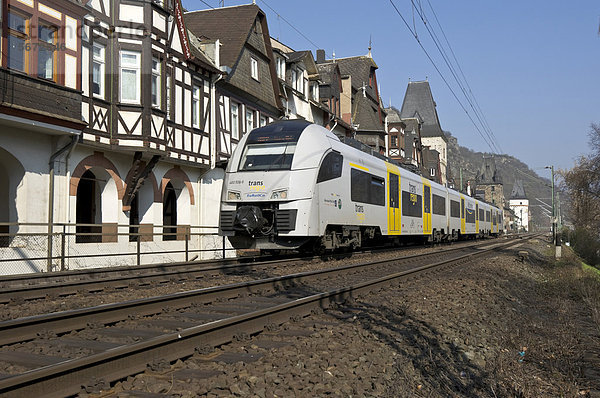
x=27, y=328
x=66, y=378
x=39, y=286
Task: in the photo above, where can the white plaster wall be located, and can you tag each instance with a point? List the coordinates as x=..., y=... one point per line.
x=211, y=184
x=520, y=207
x=33, y=151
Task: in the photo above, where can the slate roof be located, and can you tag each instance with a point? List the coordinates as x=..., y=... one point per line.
x=305, y=56
x=393, y=115
x=518, y=192
x=230, y=25
x=359, y=68
x=366, y=115
x=488, y=174
x=327, y=72
x=418, y=102
x=198, y=54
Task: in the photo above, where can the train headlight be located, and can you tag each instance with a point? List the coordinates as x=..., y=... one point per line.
x=233, y=195
x=281, y=194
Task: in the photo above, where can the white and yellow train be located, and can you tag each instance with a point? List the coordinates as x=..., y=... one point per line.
x=295, y=185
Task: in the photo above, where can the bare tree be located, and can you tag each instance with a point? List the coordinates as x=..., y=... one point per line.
x=582, y=183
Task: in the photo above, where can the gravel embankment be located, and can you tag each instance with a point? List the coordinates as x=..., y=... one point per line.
x=497, y=327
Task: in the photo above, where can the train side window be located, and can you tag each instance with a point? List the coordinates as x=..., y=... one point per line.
x=454, y=209
x=377, y=194
x=367, y=188
x=487, y=216
x=439, y=205
x=481, y=215
x=412, y=204
x=331, y=167
x=427, y=199
x=470, y=216
x=394, y=191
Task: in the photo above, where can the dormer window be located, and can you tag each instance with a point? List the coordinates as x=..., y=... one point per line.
x=280, y=64
x=314, y=91
x=254, y=68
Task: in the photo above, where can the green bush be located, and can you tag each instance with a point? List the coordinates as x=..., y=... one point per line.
x=586, y=245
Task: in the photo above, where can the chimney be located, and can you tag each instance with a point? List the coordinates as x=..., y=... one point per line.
x=320, y=56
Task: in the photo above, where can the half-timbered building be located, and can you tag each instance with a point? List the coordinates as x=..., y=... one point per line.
x=148, y=91
x=248, y=94
x=40, y=118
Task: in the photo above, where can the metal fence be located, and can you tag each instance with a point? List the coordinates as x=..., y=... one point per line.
x=38, y=247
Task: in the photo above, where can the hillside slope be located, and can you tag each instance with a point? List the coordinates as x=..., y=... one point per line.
x=510, y=169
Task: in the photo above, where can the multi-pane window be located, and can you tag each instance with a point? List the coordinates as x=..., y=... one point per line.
x=130, y=76
x=98, y=62
x=254, y=68
x=249, y=120
x=155, y=85
x=235, y=121
x=263, y=121
x=394, y=141
x=196, y=106
x=47, y=37
x=18, y=39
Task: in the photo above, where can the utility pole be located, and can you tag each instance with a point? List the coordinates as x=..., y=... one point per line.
x=553, y=210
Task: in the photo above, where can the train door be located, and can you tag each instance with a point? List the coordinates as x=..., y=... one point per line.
x=394, y=226
x=477, y=217
x=426, y=208
x=462, y=215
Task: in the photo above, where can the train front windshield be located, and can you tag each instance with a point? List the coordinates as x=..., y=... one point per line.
x=265, y=157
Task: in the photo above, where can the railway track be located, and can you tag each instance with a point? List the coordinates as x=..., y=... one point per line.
x=114, y=341
x=19, y=288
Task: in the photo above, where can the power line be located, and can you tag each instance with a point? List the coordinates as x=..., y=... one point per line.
x=290, y=24
x=205, y=3
x=486, y=124
x=441, y=75
x=436, y=41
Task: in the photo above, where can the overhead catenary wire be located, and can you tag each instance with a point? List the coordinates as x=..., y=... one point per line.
x=485, y=122
x=442, y=76
x=494, y=147
x=290, y=24
x=445, y=57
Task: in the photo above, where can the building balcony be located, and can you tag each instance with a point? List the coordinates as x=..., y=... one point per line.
x=24, y=97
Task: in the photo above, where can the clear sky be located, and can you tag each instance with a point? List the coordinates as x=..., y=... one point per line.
x=533, y=66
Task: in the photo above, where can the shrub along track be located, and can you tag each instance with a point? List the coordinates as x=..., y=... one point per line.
x=117, y=340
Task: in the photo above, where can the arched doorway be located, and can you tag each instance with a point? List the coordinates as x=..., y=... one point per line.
x=12, y=175
x=169, y=213
x=88, y=209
